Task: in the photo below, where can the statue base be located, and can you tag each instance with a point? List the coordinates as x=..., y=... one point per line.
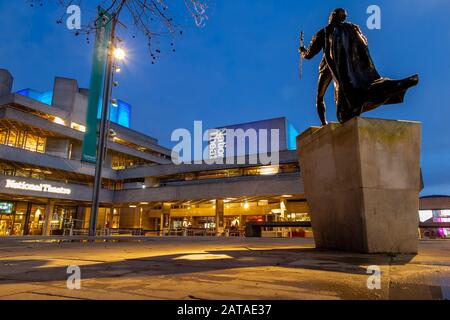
x=362, y=183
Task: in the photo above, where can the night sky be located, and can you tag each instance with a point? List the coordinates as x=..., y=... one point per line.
x=243, y=65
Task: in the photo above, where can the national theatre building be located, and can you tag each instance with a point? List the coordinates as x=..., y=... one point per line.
x=45, y=188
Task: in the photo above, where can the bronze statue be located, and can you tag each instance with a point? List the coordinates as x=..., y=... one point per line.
x=346, y=60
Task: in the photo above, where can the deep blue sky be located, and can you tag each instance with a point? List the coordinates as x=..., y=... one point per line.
x=243, y=66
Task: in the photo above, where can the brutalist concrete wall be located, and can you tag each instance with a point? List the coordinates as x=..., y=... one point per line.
x=6, y=82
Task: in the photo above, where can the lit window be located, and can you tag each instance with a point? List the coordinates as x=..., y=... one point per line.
x=78, y=127
x=24, y=140
x=12, y=138
x=41, y=145
x=269, y=170
x=3, y=135
x=58, y=120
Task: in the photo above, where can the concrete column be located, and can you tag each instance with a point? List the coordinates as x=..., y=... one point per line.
x=64, y=92
x=76, y=151
x=48, y=218
x=6, y=82
x=26, y=228
x=57, y=147
x=80, y=217
x=107, y=163
x=219, y=216
x=283, y=208
x=151, y=182
x=110, y=216
x=129, y=218
x=141, y=212
x=165, y=216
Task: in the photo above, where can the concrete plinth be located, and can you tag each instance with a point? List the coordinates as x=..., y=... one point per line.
x=362, y=183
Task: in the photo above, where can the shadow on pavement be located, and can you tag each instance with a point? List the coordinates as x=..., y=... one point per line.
x=41, y=270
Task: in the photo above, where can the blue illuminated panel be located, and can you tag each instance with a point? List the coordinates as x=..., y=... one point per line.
x=44, y=97
x=123, y=113
x=120, y=114
x=292, y=134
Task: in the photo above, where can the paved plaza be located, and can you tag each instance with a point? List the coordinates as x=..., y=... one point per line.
x=215, y=268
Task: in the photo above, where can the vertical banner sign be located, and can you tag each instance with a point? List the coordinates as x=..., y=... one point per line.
x=102, y=37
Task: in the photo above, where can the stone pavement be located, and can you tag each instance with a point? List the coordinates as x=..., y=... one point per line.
x=216, y=268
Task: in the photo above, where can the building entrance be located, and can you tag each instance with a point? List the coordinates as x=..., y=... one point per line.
x=21, y=218
x=6, y=218
x=6, y=224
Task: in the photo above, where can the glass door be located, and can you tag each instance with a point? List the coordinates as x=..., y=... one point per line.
x=6, y=224
x=63, y=218
x=36, y=220
x=6, y=218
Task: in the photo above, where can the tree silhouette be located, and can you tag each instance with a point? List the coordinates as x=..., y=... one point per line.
x=151, y=18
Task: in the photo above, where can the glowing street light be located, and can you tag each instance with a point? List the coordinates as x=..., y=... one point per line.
x=119, y=54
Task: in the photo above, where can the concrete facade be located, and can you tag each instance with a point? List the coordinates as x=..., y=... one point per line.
x=142, y=188
x=6, y=81
x=362, y=183
x=435, y=203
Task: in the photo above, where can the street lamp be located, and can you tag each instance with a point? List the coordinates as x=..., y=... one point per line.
x=119, y=54
x=114, y=53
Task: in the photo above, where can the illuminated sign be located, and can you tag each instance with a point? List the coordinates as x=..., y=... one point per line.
x=445, y=213
x=217, y=143
x=425, y=215
x=6, y=207
x=43, y=187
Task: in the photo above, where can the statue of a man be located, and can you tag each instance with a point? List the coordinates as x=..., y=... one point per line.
x=346, y=60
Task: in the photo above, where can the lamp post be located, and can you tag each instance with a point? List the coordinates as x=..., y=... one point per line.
x=103, y=135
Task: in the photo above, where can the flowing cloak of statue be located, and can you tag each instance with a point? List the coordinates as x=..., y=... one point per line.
x=358, y=85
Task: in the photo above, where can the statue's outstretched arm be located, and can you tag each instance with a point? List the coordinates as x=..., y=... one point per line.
x=315, y=46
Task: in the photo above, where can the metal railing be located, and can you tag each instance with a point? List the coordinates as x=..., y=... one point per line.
x=166, y=232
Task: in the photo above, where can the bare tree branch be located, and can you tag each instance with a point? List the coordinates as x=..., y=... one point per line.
x=151, y=18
